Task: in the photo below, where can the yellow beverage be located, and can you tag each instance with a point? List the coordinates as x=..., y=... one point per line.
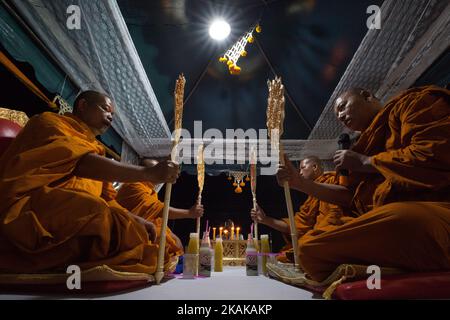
x=193, y=243
x=256, y=244
x=218, y=256
x=265, y=249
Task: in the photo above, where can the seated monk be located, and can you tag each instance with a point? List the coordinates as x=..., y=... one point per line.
x=57, y=203
x=141, y=199
x=314, y=216
x=399, y=186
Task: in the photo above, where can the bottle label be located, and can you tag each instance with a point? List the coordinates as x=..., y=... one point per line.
x=251, y=261
x=205, y=260
x=205, y=264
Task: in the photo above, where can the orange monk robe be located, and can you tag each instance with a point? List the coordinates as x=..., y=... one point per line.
x=409, y=141
x=141, y=199
x=315, y=217
x=50, y=219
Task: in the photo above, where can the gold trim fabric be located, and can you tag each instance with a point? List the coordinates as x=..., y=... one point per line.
x=286, y=273
x=18, y=117
x=100, y=273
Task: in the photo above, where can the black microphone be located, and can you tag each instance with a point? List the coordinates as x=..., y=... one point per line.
x=344, y=144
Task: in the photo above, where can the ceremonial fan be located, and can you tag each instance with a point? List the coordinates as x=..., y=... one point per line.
x=200, y=179
x=179, y=99
x=275, y=119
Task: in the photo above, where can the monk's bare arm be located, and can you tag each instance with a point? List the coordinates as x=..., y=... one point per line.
x=258, y=215
x=330, y=193
x=96, y=167
x=196, y=211
x=176, y=213
x=277, y=224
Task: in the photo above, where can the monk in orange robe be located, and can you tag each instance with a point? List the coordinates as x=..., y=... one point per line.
x=399, y=186
x=141, y=199
x=314, y=216
x=57, y=203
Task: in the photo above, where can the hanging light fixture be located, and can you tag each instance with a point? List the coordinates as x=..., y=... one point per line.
x=219, y=30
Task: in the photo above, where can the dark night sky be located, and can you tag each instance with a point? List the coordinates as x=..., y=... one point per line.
x=308, y=42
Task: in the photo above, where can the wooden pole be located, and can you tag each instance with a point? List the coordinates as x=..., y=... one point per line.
x=291, y=215
x=253, y=174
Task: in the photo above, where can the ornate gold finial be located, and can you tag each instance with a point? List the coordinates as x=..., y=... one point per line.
x=179, y=102
x=200, y=170
x=275, y=110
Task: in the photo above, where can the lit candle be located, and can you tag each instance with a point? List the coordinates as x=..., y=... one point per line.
x=220, y=232
x=226, y=234
x=214, y=233
x=237, y=232
x=232, y=233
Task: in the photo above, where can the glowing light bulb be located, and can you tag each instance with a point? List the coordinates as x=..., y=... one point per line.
x=219, y=30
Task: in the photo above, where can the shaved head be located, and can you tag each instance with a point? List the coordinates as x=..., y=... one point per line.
x=311, y=167
x=90, y=96
x=356, y=108
x=95, y=109
x=314, y=160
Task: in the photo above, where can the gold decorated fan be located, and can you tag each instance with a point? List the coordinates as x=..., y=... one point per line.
x=200, y=179
x=275, y=121
x=179, y=101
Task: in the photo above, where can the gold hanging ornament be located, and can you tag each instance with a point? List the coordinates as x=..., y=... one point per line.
x=237, y=50
x=238, y=180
